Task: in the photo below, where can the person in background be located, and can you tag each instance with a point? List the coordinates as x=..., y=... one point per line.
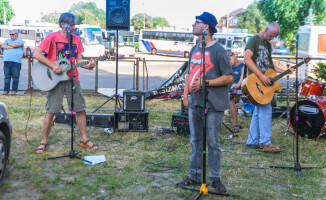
x=238, y=70
x=13, y=51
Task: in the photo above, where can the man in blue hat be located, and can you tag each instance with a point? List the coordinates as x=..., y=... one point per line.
x=218, y=74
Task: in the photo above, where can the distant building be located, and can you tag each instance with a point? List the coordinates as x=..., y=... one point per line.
x=229, y=22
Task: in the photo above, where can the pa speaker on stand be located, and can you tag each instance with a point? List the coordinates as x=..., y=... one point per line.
x=118, y=14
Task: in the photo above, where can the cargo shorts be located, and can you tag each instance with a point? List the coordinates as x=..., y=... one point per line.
x=55, y=97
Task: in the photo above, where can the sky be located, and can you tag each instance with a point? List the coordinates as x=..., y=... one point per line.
x=179, y=13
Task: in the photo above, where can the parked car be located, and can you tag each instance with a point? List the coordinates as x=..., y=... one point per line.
x=5, y=140
x=280, y=50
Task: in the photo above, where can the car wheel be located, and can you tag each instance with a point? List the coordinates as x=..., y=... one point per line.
x=153, y=51
x=3, y=156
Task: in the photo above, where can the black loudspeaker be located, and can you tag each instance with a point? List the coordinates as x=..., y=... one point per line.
x=133, y=101
x=92, y=119
x=118, y=14
x=131, y=121
x=181, y=121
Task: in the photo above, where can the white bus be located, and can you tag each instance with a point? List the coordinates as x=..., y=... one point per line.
x=235, y=42
x=91, y=37
x=166, y=42
x=126, y=43
x=312, y=41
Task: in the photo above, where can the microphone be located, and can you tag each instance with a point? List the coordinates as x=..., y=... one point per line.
x=297, y=36
x=66, y=27
x=204, y=32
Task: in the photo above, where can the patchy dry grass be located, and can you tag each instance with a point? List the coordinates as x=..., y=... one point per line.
x=146, y=165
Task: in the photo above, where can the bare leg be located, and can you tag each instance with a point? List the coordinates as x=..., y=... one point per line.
x=46, y=129
x=233, y=112
x=81, y=123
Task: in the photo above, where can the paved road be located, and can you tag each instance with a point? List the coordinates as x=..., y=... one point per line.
x=159, y=68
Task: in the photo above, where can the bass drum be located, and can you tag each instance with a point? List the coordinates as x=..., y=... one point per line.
x=311, y=121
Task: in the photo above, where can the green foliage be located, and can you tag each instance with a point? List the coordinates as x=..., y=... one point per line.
x=138, y=22
x=320, y=71
x=9, y=12
x=291, y=14
x=253, y=20
x=51, y=17
x=88, y=13
x=162, y=22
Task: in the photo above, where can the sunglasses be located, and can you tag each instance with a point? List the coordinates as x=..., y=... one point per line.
x=12, y=34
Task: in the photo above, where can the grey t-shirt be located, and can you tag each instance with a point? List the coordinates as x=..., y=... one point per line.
x=261, y=53
x=217, y=64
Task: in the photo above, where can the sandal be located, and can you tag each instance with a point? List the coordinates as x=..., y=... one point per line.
x=88, y=144
x=269, y=148
x=236, y=128
x=41, y=148
x=187, y=182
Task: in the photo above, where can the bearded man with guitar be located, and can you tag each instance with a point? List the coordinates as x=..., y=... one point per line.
x=55, y=46
x=258, y=59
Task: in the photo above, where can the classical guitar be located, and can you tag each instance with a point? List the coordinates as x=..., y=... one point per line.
x=258, y=93
x=44, y=77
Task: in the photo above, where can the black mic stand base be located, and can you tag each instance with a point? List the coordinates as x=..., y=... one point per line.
x=297, y=167
x=72, y=154
x=232, y=135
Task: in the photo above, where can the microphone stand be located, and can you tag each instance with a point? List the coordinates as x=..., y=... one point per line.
x=297, y=167
x=203, y=189
x=72, y=153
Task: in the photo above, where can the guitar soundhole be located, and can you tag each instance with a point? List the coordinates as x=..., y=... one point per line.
x=259, y=89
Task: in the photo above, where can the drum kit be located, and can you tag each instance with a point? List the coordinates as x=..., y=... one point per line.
x=311, y=111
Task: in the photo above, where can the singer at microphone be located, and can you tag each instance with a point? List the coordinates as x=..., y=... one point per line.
x=209, y=73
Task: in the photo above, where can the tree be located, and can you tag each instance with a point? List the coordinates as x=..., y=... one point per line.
x=88, y=13
x=252, y=19
x=162, y=22
x=290, y=15
x=9, y=12
x=138, y=22
x=51, y=18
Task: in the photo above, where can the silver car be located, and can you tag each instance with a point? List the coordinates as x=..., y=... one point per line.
x=5, y=140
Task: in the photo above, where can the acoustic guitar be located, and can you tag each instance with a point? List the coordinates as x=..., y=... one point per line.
x=258, y=93
x=44, y=77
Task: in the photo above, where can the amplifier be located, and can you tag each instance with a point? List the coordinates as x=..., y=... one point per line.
x=133, y=101
x=180, y=120
x=131, y=121
x=97, y=120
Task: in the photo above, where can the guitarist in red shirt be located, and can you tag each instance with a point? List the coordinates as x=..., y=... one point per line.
x=258, y=59
x=56, y=47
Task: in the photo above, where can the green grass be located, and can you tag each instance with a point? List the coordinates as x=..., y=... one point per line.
x=145, y=165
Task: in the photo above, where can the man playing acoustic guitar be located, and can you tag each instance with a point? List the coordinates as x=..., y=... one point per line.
x=55, y=45
x=258, y=59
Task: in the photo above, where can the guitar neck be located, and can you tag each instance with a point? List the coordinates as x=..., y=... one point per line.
x=276, y=78
x=83, y=63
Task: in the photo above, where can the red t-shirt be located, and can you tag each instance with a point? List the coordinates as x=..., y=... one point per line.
x=56, y=47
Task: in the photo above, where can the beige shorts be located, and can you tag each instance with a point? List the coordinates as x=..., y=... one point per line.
x=55, y=97
x=236, y=98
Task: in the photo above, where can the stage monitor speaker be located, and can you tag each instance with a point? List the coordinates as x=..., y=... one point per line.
x=118, y=14
x=92, y=119
x=133, y=101
x=181, y=121
x=131, y=121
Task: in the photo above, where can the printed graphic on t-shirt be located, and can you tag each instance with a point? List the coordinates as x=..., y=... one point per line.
x=262, y=60
x=63, y=51
x=196, y=66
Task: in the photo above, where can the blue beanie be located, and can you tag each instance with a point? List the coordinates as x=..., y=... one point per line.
x=209, y=19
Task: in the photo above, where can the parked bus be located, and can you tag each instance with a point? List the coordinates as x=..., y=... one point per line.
x=126, y=44
x=166, y=42
x=91, y=37
x=234, y=42
x=312, y=41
